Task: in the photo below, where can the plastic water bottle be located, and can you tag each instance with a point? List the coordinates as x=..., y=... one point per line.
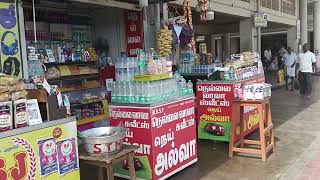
x=119, y=92
x=125, y=92
x=114, y=92
x=117, y=69
x=130, y=93
x=121, y=69
x=190, y=87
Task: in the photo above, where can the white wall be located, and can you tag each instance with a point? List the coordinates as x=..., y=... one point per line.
x=109, y=24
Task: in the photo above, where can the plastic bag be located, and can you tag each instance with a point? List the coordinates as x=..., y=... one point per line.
x=281, y=76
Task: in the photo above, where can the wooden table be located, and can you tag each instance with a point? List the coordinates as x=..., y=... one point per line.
x=127, y=152
x=264, y=114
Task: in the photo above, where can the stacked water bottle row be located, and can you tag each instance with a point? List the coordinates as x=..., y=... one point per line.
x=126, y=68
x=188, y=68
x=144, y=64
x=150, y=92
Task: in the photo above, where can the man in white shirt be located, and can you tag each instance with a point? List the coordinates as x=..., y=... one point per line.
x=305, y=64
x=289, y=59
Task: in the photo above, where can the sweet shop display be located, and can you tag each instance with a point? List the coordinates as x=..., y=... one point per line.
x=149, y=92
x=240, y=78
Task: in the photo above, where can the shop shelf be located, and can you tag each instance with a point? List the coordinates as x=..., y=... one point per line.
x=81, y=89
x=93, y=119
x=155, y=77
x=90, y=63
x=195, y=74
x=74, y=77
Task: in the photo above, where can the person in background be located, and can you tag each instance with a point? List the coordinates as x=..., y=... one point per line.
x=289, y=60
x=281, y=52
x=305, y=64
x=274, y=68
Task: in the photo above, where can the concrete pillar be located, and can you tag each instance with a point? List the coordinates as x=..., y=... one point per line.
x=213, y=46
x=304, y=21
x=226, y=45
x=219, y=49
x=248, y=36
x=292, y=38
x=316, y=25
x=157, y=17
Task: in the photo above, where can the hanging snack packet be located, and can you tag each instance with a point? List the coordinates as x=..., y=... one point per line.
x=20, y=113
x=6, y=116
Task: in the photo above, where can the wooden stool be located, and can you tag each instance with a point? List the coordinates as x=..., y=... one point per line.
x=127, y=152
x=264, y=114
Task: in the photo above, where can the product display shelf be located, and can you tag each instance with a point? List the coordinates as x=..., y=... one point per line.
x=152, y=104
x=69, y=23
x=215, y=106
x=92, y=119
x=195, y=74
x=80, y=89
x=74, y=77
x=156, y=77
x=54, y=64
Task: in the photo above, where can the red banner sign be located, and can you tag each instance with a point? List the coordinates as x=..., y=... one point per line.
x=134, y=33
x=214, y=105
x=166, y=136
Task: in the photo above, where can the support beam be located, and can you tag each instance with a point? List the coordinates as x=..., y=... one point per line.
x=304, y=21
x=248, y=36
x=226, y=45
x=316, y=25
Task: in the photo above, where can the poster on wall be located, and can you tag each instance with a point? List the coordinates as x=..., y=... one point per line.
x=50, y=153
x=134, y=35
x=10, y=55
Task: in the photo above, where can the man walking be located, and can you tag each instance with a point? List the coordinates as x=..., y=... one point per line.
x=305, y=64
x=289, y=59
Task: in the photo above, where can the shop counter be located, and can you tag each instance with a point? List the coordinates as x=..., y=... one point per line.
x=214, y=109
x=165, y=133
x=45, y=151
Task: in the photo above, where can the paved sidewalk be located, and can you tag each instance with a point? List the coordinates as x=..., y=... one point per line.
x=297, y=157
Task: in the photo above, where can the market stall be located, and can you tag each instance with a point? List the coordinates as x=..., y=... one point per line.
x=47, y=150
x=164, y=132
x=215, y=97
x=33, y=147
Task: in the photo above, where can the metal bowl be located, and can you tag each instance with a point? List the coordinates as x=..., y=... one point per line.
x=103, y=140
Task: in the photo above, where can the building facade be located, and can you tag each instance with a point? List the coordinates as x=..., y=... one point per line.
x=233, y=30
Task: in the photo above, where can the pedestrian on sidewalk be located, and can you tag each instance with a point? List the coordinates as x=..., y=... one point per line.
x=289, y=59
x=305, y=64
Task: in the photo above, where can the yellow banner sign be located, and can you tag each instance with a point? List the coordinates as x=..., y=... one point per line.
x=50, y=153
x=10, y=51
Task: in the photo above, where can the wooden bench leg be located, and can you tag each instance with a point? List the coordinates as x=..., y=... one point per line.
x=271, y=131
x=101, y=175
x=232, y=130
x=131, y=167
x=242, y=126
x=110, y=173
x=262, y=135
